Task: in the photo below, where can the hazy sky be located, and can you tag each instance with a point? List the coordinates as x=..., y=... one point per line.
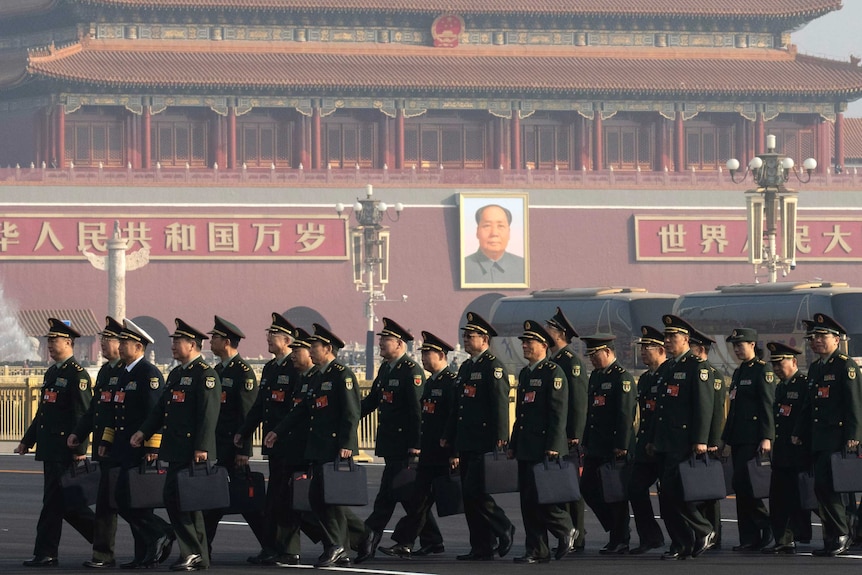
x=836, y=36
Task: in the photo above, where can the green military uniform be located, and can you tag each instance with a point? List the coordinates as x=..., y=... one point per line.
x=438, y=403
x=789, y=522
x=684, y=411
x=186, y=416
x=479, y=422
x=646, y=469
x=238, y=393
x=540, y=427
x=64, y=399
x=610, y=422
x=832, y=416
x=749, y=421
x=395, y=394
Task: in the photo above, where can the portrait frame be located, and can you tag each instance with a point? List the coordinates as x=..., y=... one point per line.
x=474, y=265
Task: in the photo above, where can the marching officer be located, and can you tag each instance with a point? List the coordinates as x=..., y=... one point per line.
x=332, y=407
x=539, y=433
x=480, y=424
x=65, y=397
x=608, y=436
x=646, y=469
x=395, y=394
x=562, y=333
x=99, y=416
x=832, y=414
x=700, y=344
x=238, y=393
x=681, y=429
x=749, y=430
x=438, y=399
x=137, y=392
x=186, y=415
x=789, y=522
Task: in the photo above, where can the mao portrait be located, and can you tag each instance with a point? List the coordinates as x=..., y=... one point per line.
x=494, y=241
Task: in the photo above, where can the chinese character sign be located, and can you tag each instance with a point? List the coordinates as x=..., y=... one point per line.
x=273, y=237
x=715, y=238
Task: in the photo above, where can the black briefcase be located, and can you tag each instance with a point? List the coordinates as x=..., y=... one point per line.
x=404, y=482
x=614, y=476
x=847, y=471
x=759, y=475
x=344, y=483
x=141, y=487
x=447, y=494
x=80, y=484
x=702, y=479
x=727, y=468
x=247, y=491
x=807, y=497
x=203, y=486
x=557, y=481
x=501, y=473
x=300, y=487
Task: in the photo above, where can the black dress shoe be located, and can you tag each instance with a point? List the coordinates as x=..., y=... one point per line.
x=701, y=544
x=506, y=541
x=566, y=544
x=286, y=560
x=743, y=548
x=835, y=547
x=397, y=550
x=369, y=545
x=164, y=547
x=192, y=562
x=330, y=556
x=531, y=560
x=41, y=561
x=428, y=550
x=764, y=541
x=644, y=547
x=96, y=564
x=673, y=555
x=263, y=558
x=614, y=549
x=471, y=556
x=779, y=549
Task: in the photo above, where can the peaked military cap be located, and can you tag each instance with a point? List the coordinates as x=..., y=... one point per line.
x=675, y=324
x=822, y=323
x=324, y=335
x=434, y=343
x=112, y=328
x=281, y=325
x=534, y=330
x=226, y=329
x=135, y=332
x=185, y=330
x=477, y=323
x=58, y=328
x=700, y=338
x=301, y=339
x=562, y=323
x=779, y=351
x=650, y=336
x=392, y=329
x=742, y=334
x=598, y=341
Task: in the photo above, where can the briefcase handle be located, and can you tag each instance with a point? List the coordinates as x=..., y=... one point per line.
x=156, y=463
x=555, y=460
x=763, y=459
x=849, y=453
x=695, y=457
x=351, y=464
x=73, y=470
x=205, y=466
x=498, y=453
x=412, y=461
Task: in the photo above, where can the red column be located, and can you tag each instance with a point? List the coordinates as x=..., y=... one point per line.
x=598, y=144
x=60, y=140
x=145, y=140
x=759, y=135
x=231, y=138
x=316, y=144
x=678, y=143
x=584, y=132
x=301, y=141
x=823, y=145
x=741, y=151
x=387, y=141
x=399, y=139
x=663, y=151
x=516, y=140
x=136, y=158
x=839, y=140
x=501, y=143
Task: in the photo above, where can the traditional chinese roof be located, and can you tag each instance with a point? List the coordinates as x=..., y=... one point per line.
x=576, y=72
x=853, y=138
x=620, y=8
x=35, y=321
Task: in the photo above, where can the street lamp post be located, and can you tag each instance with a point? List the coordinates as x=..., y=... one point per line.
x=768, y=205
x=369, y=241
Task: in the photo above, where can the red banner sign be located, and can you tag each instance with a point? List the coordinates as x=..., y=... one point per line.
x=167, y=237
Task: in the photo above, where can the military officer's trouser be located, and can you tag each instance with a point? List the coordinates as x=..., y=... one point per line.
x=188, y=525
x=539, y=519
x=644, y=475
x=682, y=519
x=485, y=520
x=833, y=510
x=50, y=524
x=789, y=522
x=751, y=513
x=420, y=519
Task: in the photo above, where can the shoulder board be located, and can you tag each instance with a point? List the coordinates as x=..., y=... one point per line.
x=246, y=367
x=449, y=375
x=566, y=353
x=842, y=357
x=491, y=356
x=77, y=366
x=759, y=362
x=204, y=364
x=618, y=368
x=336, y=366
x=700, y=359
x=407, y=362
x=551, y=365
